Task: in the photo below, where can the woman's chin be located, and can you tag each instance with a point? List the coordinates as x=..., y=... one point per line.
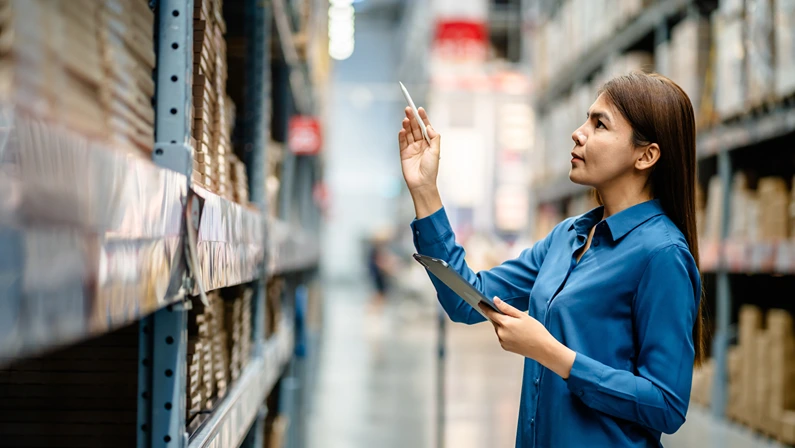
x=576, y=177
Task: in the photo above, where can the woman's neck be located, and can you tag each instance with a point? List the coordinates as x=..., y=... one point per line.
x=622, y=197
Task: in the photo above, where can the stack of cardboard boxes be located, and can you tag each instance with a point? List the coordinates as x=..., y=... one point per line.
x=702, y=384
x=273, y=305
x=238, y=327
x=199, y=360
x=84, y=64
x=766, y=214
x=214, y=111
x=239, y=180
x=233, y=315
x=195, y=394
x=220, y=351
x=762, y=374
x=205, y=93
x=129, y=59
x=219, y=345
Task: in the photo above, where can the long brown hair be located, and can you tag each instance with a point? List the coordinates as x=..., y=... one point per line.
x=659, y=111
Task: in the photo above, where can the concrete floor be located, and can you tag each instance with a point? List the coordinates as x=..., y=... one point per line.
x=377, y=375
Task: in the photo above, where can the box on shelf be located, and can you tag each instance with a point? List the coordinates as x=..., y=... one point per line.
x=792, y=211
x=782, y=368
x=749, y=327
x=274, y=291
x=773, y=208
x=787, y=433
x=735, y=368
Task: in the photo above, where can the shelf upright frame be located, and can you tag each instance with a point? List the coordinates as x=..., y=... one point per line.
x=723, y=304
x=257, y=123
x=169, y=335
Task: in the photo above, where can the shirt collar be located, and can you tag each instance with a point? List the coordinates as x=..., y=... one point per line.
x=621, y=223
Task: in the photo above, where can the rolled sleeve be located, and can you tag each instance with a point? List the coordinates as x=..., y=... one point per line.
x=511, y=281
x=432, y=229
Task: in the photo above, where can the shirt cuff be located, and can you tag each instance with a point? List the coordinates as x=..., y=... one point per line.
x=585, y=375
x=431, y=229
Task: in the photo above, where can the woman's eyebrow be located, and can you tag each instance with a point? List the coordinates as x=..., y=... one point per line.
x=599, y=115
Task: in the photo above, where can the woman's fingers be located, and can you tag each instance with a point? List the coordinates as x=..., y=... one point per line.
x=402, y=142
x=407, y=128
x=424, y=115
x=415, y=127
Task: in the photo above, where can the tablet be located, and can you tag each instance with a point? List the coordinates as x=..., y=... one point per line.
x=442, y=270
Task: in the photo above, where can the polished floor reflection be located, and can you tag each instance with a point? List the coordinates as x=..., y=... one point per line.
x=376, y=383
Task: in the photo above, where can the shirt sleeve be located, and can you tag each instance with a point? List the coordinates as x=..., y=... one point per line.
x=511, y=281
x=664, y=312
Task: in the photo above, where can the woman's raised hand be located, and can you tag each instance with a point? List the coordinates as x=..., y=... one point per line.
x=419, y=160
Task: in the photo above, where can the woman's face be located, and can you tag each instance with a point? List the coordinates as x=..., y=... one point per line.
x=603, y=149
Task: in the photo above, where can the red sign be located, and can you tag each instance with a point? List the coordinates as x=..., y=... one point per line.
x=304, y=137
x=461, y=40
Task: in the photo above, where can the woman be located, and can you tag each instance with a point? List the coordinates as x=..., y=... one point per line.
x=606, y=308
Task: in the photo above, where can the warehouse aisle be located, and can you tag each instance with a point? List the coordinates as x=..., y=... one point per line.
x=376, y=384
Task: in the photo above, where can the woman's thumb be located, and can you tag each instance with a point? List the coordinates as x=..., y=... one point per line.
x=507, y=309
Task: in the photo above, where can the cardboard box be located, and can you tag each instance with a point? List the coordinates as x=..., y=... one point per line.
x=750, y=325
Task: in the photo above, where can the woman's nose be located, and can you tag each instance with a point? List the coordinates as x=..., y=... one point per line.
x=579, y=137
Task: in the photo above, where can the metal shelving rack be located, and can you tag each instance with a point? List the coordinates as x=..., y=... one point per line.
x=721, y=258
x=159, y=239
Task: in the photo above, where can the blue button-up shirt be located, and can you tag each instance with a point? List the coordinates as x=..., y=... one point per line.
x=627, y=309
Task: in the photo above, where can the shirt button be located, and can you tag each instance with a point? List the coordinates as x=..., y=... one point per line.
x=532, y=421
x=595, y=243
x=536, y=382
x=416, y=232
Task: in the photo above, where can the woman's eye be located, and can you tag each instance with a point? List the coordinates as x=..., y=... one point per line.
x=599, y=124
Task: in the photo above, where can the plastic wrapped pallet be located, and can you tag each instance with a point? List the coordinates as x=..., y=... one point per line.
x=730, y=70
x=731, y=8
x=784, y=35
x=714, y=210
x=690, y=43
x=759, y=52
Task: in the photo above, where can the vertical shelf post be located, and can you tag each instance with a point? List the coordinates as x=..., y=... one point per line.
x=169, y=334
x=257, y=123
x=720, y=342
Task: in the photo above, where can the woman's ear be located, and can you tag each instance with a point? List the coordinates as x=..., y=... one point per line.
x=647, y=157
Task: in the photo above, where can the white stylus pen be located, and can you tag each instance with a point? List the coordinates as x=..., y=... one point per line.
x=416, y=112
